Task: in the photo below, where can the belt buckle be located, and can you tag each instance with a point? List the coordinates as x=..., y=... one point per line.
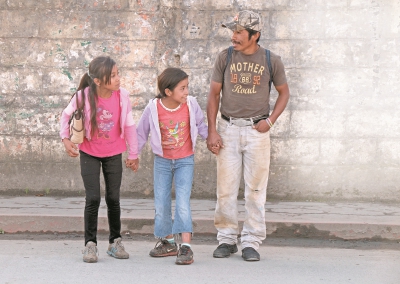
x=241, y=122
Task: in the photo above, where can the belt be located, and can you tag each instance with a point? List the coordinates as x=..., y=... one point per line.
x=244, y=121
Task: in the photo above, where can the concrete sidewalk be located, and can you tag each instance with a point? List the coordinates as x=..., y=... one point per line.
x=347, y=221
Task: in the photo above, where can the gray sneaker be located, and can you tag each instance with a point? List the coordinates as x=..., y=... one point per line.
x=225, y=250
x=250, y=254
x=90, y=252
x=164, y=248
x=185, y=255
x=117, y=249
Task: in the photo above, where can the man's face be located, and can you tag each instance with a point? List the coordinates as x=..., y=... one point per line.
x=240, y=41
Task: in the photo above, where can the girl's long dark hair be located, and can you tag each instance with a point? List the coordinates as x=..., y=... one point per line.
x=168, y=79
x=101, y=68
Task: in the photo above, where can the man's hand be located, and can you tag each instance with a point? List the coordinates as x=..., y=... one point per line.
x=262, y=126
x=70, y=148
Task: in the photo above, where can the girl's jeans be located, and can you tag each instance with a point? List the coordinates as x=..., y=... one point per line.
x=181, y=171
x=112, y=171
x=245, y=151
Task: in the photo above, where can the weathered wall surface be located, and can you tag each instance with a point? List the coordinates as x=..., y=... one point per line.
x=338, y=139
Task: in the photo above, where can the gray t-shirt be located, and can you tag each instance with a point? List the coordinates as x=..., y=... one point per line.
x=245, y=90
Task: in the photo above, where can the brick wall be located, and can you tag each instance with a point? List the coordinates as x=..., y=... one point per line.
x=337, y=140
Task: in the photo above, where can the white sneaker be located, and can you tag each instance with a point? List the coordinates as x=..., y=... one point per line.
x=90, y=252
x=117, y=249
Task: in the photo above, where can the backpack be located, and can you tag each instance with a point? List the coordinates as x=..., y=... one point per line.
x=228, y=59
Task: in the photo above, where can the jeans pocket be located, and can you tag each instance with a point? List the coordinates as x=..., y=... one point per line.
x=222, y=126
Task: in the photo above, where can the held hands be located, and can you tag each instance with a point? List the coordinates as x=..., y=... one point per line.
x=132, y=164
x=70, y=148
x=214, y=143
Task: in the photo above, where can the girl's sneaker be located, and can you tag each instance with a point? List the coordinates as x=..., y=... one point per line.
x=117, y=249
x=164, y=248
x=185, y=255
x=90, y=252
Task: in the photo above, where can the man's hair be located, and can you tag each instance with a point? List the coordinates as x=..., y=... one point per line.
x=253, y=32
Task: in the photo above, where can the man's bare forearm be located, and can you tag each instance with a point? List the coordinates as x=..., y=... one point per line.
x=212, y=111
x=281, y=102
x=213, y=106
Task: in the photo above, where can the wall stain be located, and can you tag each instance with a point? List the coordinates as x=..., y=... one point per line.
x=84, y=43
x=45, y=104
x=66, y=72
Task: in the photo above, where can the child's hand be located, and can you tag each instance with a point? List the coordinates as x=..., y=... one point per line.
x=70, y=148
x=215, y=148
x=132, y=164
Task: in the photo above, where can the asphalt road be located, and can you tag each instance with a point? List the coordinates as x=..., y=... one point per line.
x=58, y=259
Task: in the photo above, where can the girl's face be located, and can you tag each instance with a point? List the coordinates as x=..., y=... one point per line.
x=114, y=80
x=180, y=92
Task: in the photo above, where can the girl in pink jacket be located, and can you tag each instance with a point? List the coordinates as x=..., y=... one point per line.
x=109, y=127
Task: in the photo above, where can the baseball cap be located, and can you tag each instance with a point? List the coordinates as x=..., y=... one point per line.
x=245, y=20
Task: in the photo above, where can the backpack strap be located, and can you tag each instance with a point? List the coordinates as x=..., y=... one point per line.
x=269, y=68
x=228, y=59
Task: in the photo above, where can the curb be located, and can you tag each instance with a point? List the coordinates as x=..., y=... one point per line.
x=73, y=224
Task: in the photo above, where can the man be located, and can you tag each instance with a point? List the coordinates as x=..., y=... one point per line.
x=242, y=140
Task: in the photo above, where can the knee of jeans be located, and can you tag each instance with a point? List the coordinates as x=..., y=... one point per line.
x=112, y=200
x=183, y=212
x=163, y=211
x=93, y=201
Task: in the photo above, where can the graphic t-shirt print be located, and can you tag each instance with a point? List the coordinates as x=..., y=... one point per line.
x=105, y=122
x=174, y=132
x=246, y=76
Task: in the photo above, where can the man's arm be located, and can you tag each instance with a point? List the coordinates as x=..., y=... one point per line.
x=281, y=102
x=213, y=138
x=280, y=105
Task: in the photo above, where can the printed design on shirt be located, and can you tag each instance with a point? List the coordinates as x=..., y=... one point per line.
x=246, y=76
x=105, y=122
x=174, y=133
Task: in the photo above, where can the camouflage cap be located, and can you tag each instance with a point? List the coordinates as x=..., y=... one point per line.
x=245, y=20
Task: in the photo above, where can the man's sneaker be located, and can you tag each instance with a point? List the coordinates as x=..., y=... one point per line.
x=117, y=249
x=90, y=252
x=164, y=248
x=225, y=250
x=250, y=254
x=185, y=255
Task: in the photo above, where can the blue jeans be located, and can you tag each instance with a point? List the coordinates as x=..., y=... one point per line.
x=181, y=172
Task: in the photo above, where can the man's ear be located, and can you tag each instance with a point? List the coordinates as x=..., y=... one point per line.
x=256, y=36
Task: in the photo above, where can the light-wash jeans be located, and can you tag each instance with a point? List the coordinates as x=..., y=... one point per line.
x=181, y=172
x=245, y=151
